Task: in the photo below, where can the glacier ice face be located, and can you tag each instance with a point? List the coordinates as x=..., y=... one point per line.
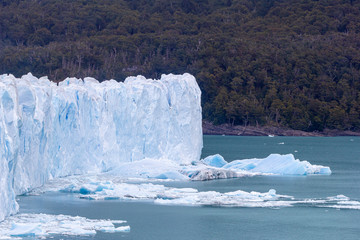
x=83, y=126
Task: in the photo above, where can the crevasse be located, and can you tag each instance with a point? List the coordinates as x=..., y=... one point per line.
x=82, y=126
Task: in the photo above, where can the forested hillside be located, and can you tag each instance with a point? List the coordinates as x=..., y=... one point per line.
x=287, y=63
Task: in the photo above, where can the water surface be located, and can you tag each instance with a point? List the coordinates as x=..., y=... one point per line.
x=150, y=221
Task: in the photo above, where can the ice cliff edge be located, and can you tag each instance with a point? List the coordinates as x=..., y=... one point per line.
x=83, y=126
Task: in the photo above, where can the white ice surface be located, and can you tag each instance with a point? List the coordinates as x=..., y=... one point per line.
x=163, y=169
x=43, y=225
x=149, y=169
x=214, y=160
x=83, y=126
x=106, y=187
x=278, y=164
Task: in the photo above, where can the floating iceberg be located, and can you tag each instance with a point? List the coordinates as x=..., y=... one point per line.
x=44, y=225
x=215, y=161
x=215, y=167
x=83, y=126
x=203, y=174
x=278, y=164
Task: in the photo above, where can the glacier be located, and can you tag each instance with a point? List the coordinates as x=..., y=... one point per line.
x=50, y=130
x=137, y=130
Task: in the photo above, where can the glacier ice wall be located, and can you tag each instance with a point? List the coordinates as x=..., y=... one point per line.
x=83, y=126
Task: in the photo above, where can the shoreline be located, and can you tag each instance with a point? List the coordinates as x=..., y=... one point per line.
x=240, y=130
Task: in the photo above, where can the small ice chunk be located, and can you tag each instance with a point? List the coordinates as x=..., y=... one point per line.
x=25, y=230
x=123, y=229
x=215, y=161
x=173, y=175
x=339, y=198
x=324, y=170
x=213, y=173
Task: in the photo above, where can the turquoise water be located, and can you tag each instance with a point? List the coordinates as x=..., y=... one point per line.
x=150, y=221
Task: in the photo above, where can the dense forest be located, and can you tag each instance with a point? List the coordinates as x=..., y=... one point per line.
x=287, y=63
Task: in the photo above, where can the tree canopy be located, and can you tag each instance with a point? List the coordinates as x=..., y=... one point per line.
x=291, y=63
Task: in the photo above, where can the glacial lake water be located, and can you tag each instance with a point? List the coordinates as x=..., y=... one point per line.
x=150, y=221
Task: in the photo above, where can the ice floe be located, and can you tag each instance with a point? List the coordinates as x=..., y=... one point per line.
x=104, y=189
x=44, y=225
x=278, y=164
x=108, y=188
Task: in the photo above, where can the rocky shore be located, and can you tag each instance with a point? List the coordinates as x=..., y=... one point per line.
x=240, y=130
